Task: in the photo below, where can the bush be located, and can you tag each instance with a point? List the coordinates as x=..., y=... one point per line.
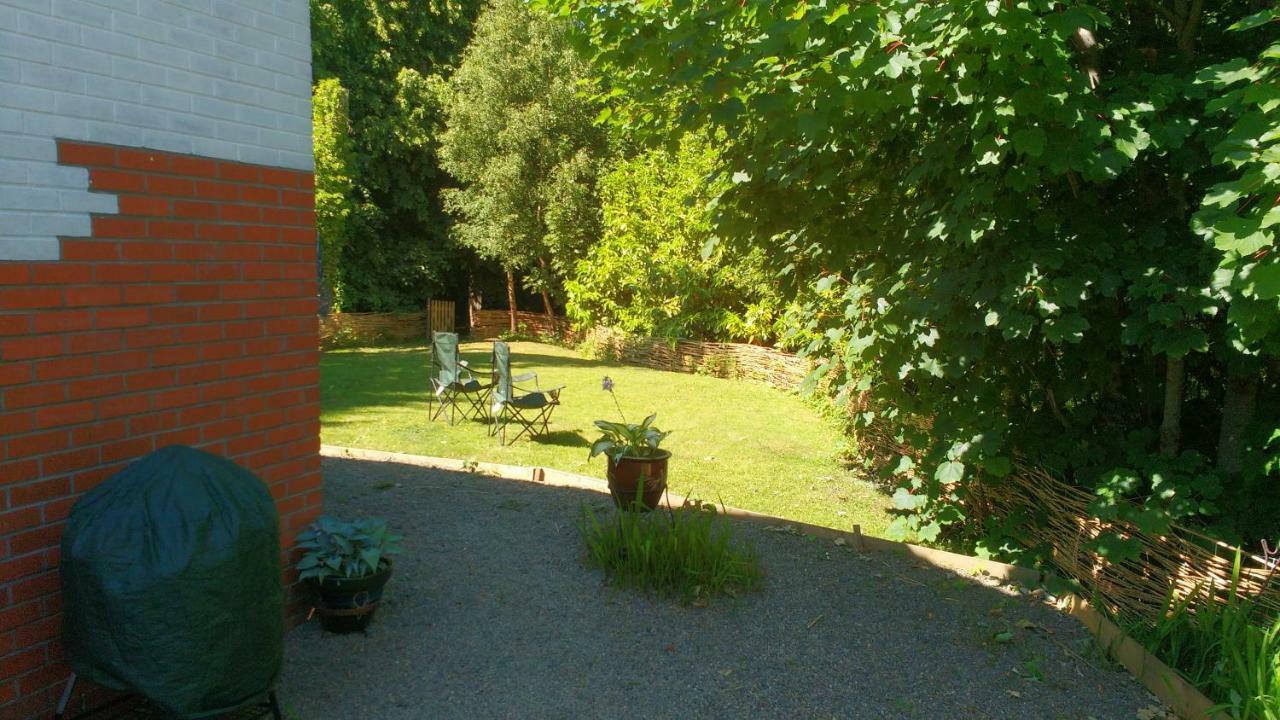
x=521, y=334
x=691, y=552
x=657, y=270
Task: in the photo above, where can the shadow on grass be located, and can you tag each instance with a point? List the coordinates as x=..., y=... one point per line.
x=563, y=438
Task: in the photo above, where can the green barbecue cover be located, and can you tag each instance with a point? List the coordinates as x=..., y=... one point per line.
x=172, y=586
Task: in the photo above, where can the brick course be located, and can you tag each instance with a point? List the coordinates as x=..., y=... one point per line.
x=189, y=317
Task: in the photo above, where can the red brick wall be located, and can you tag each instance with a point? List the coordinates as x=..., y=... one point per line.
x=188, y=318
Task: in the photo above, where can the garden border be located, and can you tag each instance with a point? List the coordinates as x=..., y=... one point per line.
x=1161, y=680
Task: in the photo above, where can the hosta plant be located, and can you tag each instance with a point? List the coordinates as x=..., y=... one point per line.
x=343, y=549
x=623, y=439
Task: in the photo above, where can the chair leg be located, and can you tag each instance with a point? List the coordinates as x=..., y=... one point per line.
x=476, y=403
x=66, y=698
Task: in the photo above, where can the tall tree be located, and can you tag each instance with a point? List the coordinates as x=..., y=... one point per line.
x=334, y=156
x=391, y=56
x=521, y=141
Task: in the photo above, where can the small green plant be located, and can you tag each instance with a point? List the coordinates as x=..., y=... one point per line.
x=1225, y=648
x=341, y=336
x=521, y=334
x=720, y=365
x=619, y=440
x=690, y=552
x=345, y=549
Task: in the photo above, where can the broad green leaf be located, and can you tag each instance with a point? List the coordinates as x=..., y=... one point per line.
x=838, y=12
x=1030, y=141
x=1264, y=280
x=950, y=472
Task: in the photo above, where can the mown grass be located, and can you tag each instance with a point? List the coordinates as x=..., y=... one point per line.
x=736, y=442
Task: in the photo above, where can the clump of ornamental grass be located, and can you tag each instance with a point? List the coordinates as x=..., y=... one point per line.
x=691, y=553
x=1225, y=648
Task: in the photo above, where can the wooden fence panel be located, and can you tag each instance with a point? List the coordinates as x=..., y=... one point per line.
x=440, y=313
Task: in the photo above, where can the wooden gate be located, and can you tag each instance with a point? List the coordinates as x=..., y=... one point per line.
x=440, y=316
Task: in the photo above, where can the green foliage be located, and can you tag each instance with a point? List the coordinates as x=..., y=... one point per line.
x=1226, y=649
x=1000, y=232
x=522, y=334
x=521, y=142
x=1239, y=216
x=390, y=56
x=657, y=270
x=621, y=440
x=345, y=550
x=334, y=158
x=691, y=552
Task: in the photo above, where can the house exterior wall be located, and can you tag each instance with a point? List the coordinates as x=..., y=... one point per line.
x=157, y=272
x=229, y=79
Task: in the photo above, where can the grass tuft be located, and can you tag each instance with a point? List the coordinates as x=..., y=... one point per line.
x=1223, y=648
x=691, y=553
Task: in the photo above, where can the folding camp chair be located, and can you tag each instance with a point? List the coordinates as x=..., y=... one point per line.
x=529, y=408
x=452, y=381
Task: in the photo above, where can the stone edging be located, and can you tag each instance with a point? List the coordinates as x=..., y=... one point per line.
x=1166, y=684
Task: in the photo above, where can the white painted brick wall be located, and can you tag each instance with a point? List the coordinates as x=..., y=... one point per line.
x=229, y=79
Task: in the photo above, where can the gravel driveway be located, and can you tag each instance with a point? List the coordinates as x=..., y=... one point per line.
x=492, y=614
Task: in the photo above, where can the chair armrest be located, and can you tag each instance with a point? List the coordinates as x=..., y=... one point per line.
x=526, y=378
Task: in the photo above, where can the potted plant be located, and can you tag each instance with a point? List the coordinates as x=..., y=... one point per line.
x=347, y=564
x=637, y=467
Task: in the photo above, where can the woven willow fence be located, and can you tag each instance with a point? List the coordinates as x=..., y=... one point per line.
x=738, y=361
x=354, y=328
x=1182, y=560
x=492, y=323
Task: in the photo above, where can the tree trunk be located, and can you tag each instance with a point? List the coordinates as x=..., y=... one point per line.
x=1237, y=413
x=1171, y=428
x=511, y=298
x=546, y=298
x=473, y=302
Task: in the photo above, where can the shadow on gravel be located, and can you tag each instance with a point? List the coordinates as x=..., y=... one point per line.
x=491, y=613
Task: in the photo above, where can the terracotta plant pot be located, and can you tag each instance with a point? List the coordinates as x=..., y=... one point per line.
x=627, y=474
x=347, y=604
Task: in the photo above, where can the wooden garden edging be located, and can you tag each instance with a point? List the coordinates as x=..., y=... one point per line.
x=1165, y=683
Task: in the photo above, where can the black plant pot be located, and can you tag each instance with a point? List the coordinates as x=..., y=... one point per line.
x=346, y=605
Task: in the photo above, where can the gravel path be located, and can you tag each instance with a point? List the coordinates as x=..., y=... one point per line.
x=492, y=614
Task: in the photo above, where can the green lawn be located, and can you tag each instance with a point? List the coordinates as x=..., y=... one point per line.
x=742, y=443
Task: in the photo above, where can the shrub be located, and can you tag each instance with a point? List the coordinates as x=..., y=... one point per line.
x=657, y=270
x=691, y=553
x=522, y=334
